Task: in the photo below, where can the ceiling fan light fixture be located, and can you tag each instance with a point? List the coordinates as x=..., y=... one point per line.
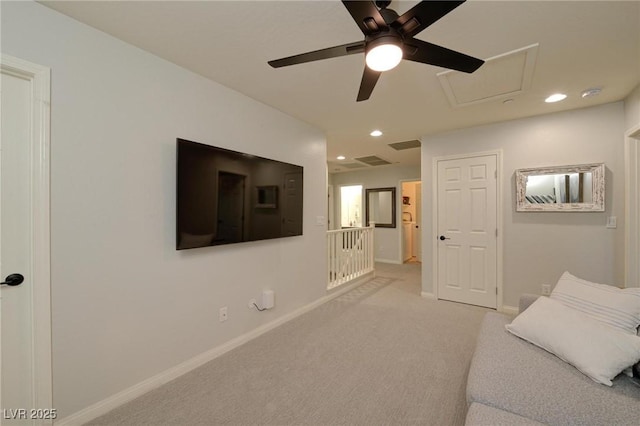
x=384, y=53
x=388, y=39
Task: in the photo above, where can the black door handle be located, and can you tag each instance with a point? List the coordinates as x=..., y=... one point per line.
x=13, y=279
x=442, y=238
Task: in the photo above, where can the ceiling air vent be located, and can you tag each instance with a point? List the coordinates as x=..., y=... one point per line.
x=399, y=146
x=372, y=160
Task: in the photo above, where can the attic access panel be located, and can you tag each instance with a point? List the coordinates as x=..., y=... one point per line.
x=501, y=76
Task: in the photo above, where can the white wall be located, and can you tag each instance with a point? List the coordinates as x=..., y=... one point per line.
x=387, y=240
x=126, y=304
x=538, y=247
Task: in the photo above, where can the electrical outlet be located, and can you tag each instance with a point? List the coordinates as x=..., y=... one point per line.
x=546, y=289
x=250, y=304
x=222, y=314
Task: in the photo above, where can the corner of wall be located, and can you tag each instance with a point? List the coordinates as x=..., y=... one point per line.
x=632, y=109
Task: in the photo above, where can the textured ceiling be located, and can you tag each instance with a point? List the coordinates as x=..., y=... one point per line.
x=582, y=44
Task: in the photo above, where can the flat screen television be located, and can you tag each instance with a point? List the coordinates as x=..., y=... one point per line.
x=226, y=197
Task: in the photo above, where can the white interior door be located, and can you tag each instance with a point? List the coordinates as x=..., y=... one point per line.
x=467, y=230
x=25, y=328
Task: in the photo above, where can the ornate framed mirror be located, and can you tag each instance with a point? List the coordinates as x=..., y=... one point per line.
x=561, y=189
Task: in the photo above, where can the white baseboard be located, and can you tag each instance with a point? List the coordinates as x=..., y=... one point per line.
x=428, y=295
x=394, y=261
x=102, y=407
x=509, y=310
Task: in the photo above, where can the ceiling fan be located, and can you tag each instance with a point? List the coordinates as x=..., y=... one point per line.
x=388, y=38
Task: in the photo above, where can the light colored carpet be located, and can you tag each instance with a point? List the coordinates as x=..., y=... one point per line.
x=379, y=354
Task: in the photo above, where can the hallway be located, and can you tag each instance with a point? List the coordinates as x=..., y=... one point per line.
x=408, y=275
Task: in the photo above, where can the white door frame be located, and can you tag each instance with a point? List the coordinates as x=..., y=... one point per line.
x=632, y=207
x=40, y=79
x=330, y=208
x=499, y=204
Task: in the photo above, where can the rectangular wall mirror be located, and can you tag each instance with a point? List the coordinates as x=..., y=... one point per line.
x=381, y=207
x=561, y=189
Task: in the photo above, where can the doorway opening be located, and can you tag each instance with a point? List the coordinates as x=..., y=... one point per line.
x=411, y=202
x=351, y=206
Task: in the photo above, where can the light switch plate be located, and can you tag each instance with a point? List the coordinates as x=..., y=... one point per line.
x=611, y=222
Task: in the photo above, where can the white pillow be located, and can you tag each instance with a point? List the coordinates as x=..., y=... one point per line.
x=619, y=308
x=597, y=350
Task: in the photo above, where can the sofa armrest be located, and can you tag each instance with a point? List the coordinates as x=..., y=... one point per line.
x=526, y=300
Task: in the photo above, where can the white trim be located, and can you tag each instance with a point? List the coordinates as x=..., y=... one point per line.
x=632, y=207
x=430, y=296
x=40, y=78
x=499, y=218
x=330, y=208
x=392, y=261
x=500, y=228
x=102, y=407
x=434, y=227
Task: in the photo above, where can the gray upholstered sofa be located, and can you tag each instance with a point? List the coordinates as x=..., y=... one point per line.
x=512, y=382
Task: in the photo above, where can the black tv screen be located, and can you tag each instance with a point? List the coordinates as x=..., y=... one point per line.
x=226, y=197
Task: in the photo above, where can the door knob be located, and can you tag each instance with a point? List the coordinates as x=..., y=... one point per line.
x=442, y=238
x=13, y=279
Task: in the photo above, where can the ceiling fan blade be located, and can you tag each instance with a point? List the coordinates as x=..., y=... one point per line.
x=366, y=15
x=432, y=54
x=316, y=55
x=369, y=80
x=422, y=15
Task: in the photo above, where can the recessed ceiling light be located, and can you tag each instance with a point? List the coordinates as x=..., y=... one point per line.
x=591, y=92
x=376, y=133
x=340, y=157
x=507, y=101
x=556, y=97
